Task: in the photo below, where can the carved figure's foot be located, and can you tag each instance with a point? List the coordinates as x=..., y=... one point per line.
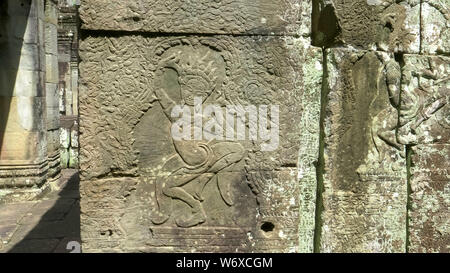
x=224, y=186
x=198, y=195
x=196, y=218
x=160, y=218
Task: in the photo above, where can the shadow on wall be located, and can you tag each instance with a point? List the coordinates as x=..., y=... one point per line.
x=325, y=25
x=58, y=230
x=14, y=16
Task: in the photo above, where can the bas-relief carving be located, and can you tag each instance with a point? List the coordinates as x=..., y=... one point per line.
x=153, y=193
x=424, y=126
x=365, y=169
x=210, y=17
x=407, y=26
x=435, y=22
x=430, y=199
x=199, y=73
x=425, y=100
x=385, y=25
x=208, y=187
x=384, y=128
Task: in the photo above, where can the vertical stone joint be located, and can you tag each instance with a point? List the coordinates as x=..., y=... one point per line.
x=325, y=25
x=321, y=161
x=408, y=193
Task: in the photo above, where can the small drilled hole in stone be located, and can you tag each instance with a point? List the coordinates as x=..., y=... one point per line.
x=389, y=26
x=267, y=227
x=108, y=232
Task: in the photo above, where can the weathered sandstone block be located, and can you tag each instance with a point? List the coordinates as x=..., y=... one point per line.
x=430, y=199
x=425, y=126
x=435, y=26
x=142, y=189
x=365, y=176
x=386, y=25
x=208, y=17
x=424, y=114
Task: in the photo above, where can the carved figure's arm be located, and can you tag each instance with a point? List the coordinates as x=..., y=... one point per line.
x=393, y=75
x=429, y=111
x=166, y=102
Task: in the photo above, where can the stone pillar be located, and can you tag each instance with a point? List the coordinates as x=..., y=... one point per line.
x=365, y=174
x=384, y=185
x=69, y=147
x=68, y=79
x=23, y=118
x=142, y=190
x=74, y=77
x=52, y=87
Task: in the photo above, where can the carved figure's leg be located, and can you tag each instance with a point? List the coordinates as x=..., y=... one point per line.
x=202, y=181
x=385, y=128
x=172, y=188
x=225, y=155
x=228, y=154
x=164, y=202
x=164, y=205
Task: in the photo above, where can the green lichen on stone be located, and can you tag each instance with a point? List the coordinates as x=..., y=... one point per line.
x=309, y=137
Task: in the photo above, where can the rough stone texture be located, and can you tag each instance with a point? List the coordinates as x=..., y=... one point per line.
x=249, y=202
x=309, y=129
x=364, y=178
x=430, y=199
x=424, y=114
x=362, y=163
x=206, y=17
x=435, y=26
x=386, y=25
x=425, y=123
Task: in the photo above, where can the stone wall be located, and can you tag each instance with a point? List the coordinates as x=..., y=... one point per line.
x=361, y=163
x=140, y=190
x=29, y=116
x=23, y=144
x=384, y=180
